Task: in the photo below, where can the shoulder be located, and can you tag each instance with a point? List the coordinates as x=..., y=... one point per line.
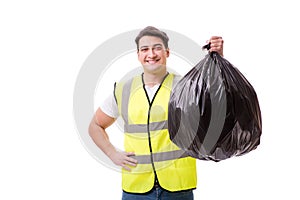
x=175, y=78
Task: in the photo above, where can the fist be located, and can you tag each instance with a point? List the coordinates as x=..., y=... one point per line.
x=216, y=44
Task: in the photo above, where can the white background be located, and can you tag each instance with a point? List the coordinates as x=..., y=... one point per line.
x=44, y=44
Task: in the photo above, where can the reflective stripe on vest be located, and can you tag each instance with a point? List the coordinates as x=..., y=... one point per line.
x=162, y=156
x=143, y=128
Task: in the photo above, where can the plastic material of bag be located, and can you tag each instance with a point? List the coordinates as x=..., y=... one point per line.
x=214, y=112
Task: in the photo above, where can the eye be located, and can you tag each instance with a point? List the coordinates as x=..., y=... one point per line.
x=144, y=49
x=158, y=48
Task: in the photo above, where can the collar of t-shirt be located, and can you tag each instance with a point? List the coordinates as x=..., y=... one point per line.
x=151, y=90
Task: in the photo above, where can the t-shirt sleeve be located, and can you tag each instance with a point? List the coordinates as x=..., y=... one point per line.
x=109, y=106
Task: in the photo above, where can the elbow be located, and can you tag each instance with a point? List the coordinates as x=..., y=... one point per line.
x=92, y=128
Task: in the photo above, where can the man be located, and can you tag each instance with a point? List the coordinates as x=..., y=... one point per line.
x=152, y=166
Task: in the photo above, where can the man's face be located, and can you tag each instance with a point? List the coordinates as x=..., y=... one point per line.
x=152, y=54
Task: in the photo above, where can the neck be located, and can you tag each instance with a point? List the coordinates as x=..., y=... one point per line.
x=153, y=79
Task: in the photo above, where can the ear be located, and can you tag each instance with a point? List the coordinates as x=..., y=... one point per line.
x=168, y=52
x=138, y=55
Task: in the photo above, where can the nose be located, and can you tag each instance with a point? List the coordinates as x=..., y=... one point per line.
x=151, y=53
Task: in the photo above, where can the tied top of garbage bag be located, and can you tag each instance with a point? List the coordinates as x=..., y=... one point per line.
x=214, y=112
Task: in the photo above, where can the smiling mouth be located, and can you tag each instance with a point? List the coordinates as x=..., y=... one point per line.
x=151, y=62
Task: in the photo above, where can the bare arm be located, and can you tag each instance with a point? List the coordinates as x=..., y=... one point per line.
x=99, y=123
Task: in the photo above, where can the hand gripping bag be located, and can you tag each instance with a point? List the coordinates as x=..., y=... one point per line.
x=214, y=112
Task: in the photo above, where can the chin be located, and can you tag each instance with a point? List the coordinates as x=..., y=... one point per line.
x=154, y=68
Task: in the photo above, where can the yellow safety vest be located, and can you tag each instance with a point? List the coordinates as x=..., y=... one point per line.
x=146, y=134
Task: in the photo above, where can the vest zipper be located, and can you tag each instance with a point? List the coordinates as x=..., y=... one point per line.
x=148, y=122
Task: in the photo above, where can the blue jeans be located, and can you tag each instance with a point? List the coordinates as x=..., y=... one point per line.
x=157, y=193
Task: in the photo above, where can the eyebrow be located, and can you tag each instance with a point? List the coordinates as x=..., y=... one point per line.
x=145, y=46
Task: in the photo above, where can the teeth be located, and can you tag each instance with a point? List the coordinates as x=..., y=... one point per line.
x=151, y=61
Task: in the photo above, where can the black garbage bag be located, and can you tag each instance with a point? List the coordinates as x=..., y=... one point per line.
x=214, y=112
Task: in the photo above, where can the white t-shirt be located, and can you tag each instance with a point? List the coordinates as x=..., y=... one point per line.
x=109, y=105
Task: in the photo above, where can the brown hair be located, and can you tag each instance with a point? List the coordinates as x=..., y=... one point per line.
x=152, y=31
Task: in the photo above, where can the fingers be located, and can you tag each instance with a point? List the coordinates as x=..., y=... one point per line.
x=216, y=44
x=123, y=159
x=127, y=164
x=215, y=37
x=128, y=161
x=125, y=167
